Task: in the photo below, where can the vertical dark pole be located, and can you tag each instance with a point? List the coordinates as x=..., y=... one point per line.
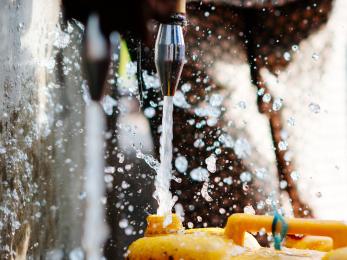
x=284, y=168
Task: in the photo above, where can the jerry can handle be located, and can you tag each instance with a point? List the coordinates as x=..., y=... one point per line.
x=240, y=223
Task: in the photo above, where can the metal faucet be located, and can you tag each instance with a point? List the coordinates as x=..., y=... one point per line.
x=169, y=53
x=170, y=50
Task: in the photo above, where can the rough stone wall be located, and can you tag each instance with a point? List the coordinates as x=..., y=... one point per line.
x=41, y=132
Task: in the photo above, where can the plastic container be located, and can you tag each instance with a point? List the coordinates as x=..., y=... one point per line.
x=174, y=242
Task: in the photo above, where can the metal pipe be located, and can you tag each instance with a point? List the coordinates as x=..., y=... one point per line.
x=170, y=50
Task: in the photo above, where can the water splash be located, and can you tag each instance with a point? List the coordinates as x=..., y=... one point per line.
x=162, y=181
x=204, y=192
x=149, y=159
x=211, y=163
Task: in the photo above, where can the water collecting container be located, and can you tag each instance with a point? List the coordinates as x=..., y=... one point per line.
x=319, y=240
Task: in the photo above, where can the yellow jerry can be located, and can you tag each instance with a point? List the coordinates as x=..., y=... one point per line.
x=166, y=238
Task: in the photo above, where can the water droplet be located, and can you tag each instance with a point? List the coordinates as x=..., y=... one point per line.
x=246, y=177
x=295, y=48
x=199, y=174
x=216, y=100
x=123, y=223
x=291, y=121
x=120, y=157
x=108, y=178
x=261, y=91
x=179, y=100
x=277, y=104
x=16, y=224
x=318, y=194
x=2, y=150
x=242, y=104
x=283, y=145
x=149, y=112
x=109, y=169
x=226, y=140
x=20, y=26
x=199, y=143
x=59, y=108
x=50, y=64
x=129, y=230
x=212, y=121
x=315, y=56
x=242, y=148
x=245, y=186
x=287, y=56
x=125, y=185
x=108, y=103
x=249, y=210
x=261, y=173
x=294, y=175
x=261, y=204
x=266, y=98
x=314, y=107
x=82, y=195
x=186, y=86
x=288, y=156
x=222, y=211
x=181, y=164
x=204, y=192
x=76, y=254
x=283, y=184
x=228, y=180
x=211, y=163
x=59, y=123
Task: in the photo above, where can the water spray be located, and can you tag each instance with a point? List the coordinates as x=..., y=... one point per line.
x=169, y=61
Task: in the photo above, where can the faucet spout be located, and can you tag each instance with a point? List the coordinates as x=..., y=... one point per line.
x=170, y=52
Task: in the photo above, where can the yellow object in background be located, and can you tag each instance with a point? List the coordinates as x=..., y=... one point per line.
x=124, y=58
x=171, y=241
x=238, y=224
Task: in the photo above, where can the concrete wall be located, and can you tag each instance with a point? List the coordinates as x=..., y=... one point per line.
x=41, y=132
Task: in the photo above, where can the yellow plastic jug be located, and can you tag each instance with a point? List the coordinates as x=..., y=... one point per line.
x=174, y=242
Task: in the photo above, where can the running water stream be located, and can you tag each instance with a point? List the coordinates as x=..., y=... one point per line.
x=162, y=181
